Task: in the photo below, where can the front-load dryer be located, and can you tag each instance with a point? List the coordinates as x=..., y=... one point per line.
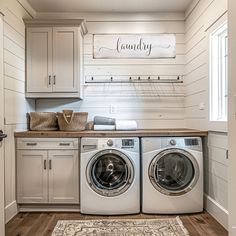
x=110, y=176
x=172, y=175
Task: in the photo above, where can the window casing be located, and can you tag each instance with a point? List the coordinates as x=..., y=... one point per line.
x=219, y=74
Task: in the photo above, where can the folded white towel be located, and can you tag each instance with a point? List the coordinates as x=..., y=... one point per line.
x=104, y=127
x=126, y=125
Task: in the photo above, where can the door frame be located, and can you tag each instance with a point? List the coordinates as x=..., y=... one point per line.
x=2, y=156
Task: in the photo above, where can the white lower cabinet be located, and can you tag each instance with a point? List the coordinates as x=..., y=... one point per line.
x=63, y=176
x=47, y=176
x=32, y=176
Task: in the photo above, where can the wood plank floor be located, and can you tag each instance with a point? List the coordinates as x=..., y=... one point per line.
x=42, y=224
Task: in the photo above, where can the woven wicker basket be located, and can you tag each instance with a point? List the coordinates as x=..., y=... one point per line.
x=43, y=121
x=72, y=121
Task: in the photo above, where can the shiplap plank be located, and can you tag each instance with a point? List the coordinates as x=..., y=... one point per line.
x=123, y=102
x=197, y=13
x=133, y=70
x=201, y=85
x=14, y=35
x=13, y=72
x=217, y=188
x=218, y=154
x=200, y=47
x=195, y=112
x=218, y=170
x=16, y=112
x=13, y=60
x=14, y=85
x=15, y=22
x=219, y=140
x=196, y=123
x=199, y=60
x=196, y=98
x=198, y=73
x=135, y=27
x=13, y=47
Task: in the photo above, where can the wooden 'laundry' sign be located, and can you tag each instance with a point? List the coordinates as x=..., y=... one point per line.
x=134, y=46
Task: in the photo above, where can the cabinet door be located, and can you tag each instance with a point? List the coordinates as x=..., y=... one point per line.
x=32, y=184
x=63, y=176
x=65, y=59
x=39, y=59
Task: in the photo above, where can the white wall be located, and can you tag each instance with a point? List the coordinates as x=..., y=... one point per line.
x=152, y=105
x=16, y=105
x=200, y=18
x=232, y=117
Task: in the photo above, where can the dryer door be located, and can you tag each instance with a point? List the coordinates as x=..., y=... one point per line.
x=174, y=172
x=110, y=173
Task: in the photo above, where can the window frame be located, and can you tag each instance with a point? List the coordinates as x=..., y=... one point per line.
x=216, y=125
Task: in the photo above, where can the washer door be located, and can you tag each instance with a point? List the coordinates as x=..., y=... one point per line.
x=174, y=172
x=110, y=173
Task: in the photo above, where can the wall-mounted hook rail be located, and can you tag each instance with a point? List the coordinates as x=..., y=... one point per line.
x=135, y=79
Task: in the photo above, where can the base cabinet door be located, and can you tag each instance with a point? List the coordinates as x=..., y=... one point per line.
x=63, y=176
x=32, y=178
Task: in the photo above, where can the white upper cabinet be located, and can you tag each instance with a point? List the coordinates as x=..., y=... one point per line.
x=54, y=59
x=39, y=60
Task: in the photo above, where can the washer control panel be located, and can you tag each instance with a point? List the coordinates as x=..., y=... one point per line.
x=126, y=143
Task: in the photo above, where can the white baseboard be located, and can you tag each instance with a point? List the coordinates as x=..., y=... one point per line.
x=216, y=210
x=10, y=211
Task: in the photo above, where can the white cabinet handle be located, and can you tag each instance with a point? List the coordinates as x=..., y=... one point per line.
x=44, y=164
x=31, y=144
x=49, y=79
x=64, y=144
x=50, y=164
x=54, y=79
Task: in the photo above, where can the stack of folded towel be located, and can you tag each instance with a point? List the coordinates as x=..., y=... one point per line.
x=106, y=123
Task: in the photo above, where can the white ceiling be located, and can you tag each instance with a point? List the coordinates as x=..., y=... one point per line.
x=109, y=5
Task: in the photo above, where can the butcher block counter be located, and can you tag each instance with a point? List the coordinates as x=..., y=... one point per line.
x=92, y=133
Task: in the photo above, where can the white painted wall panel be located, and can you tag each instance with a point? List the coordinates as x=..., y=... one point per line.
x=199, y=17
x=152, y=105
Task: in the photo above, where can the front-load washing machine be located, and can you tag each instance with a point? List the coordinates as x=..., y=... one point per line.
x=172, y=175
x=110, y=176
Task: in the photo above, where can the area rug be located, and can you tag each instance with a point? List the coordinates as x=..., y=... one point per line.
x=121, y=227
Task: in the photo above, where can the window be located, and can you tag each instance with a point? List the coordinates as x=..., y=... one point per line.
x=219, y=74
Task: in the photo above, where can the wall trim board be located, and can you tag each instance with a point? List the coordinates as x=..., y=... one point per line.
x=10, y=211
x=115, y=17
x=216, y=210
x=28, y=8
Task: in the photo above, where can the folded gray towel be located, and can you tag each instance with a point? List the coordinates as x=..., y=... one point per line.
x=101, y=120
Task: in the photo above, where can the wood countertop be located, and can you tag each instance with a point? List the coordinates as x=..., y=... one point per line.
x=92, y=133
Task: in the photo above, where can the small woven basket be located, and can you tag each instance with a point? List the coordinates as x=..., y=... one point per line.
x=72, y=121
x=43, y=121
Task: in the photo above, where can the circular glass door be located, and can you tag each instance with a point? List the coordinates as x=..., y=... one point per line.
x=174, y=172
x=110, y=173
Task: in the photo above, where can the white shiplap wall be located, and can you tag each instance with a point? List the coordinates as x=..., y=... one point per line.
x=200, y=18
x=16, y=105
x=151, y=105
x=216, y=177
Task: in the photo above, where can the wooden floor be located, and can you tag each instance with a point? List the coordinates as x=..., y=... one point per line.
x=42, y=224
